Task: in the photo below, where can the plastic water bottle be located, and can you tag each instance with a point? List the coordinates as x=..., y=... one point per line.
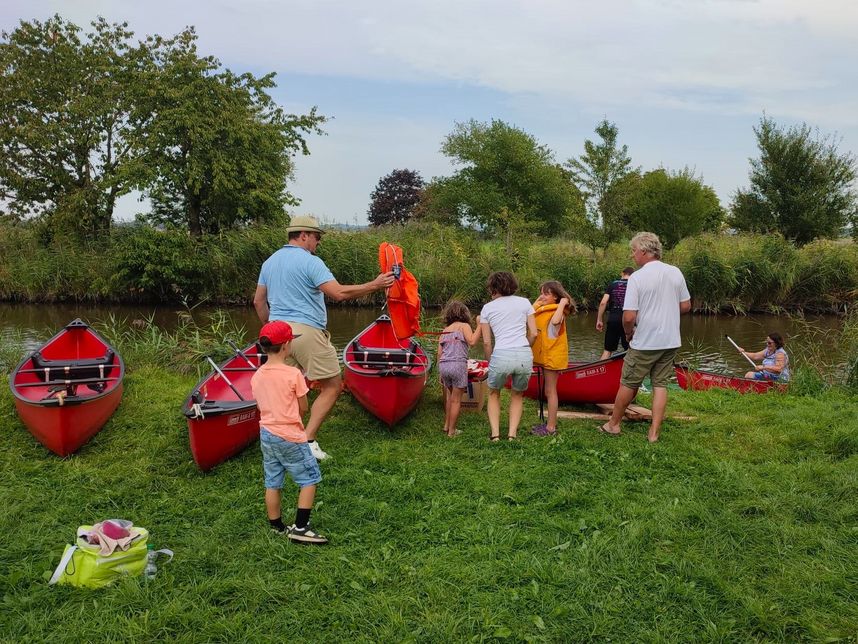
x=151, y=569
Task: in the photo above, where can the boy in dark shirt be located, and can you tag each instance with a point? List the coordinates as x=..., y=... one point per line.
x=612, y=300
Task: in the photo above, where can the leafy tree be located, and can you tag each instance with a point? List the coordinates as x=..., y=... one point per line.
x=672, y=205
x=801, y=185
x=67, y=117
x=504, y=167
x=395, y=197
x=219, y=147
x=596, y=173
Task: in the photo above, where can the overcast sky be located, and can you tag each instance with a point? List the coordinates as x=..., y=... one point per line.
x=684, y=80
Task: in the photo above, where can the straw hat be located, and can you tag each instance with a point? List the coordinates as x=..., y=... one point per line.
x=304, y=223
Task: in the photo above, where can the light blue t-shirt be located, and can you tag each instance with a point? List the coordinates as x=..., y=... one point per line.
x=292, y=276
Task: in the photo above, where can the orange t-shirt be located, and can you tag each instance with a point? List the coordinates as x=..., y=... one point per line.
x=277, y=388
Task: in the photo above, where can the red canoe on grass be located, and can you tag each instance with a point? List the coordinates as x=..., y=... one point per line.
x=696, y=380
x=583, y=383
x=66, y=390
x=222, y=421
x=385, y=374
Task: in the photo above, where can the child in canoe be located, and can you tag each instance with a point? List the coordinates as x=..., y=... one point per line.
x=281, y=395
x=453, y=344
x=551, y=349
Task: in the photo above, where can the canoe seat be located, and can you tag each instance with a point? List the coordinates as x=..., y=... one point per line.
x=81, y=369
x=378, y=358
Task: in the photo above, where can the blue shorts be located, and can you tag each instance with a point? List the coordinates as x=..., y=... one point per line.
x=280, y=456
x=517, y=363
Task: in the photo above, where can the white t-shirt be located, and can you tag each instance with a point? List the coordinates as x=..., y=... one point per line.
x=507, y=317
x=655, y=291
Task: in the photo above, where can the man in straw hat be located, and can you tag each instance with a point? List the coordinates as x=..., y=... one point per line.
x=292, y=286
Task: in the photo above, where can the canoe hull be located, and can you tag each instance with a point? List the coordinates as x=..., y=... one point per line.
x=696, y=380
x=221, y=424
x=67, y=390
x=584, y=383
x=386, y=375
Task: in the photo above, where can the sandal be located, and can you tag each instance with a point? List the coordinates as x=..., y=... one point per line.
x=494, y=439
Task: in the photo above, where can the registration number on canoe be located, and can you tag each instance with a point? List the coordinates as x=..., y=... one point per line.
x=235, y=419
x=594, y=371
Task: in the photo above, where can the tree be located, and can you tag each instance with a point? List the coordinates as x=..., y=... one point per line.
x=504, y=167
x=801, y=185
x=672, y=205
x=67, y=114
x=395, y=197
x=596, y=174
x=219, y=147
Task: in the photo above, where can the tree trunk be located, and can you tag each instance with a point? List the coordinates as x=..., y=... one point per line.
x=194, y=206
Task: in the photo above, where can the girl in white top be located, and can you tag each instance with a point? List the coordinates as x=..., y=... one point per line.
x=509, y=319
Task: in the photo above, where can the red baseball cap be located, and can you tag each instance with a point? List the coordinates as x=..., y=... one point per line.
x=277, y=332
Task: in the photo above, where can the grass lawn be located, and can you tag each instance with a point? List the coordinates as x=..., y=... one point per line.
x=741, y=525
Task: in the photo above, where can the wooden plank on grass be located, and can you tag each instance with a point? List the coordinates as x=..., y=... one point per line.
x=581, y=415
x=633, y=412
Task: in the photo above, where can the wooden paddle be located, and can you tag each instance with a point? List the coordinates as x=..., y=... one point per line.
x=753, y=364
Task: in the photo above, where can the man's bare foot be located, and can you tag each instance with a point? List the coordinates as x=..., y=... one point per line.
x=607, y=428
x=652, y=438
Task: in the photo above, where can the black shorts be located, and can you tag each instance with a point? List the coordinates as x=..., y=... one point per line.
x=614, y=334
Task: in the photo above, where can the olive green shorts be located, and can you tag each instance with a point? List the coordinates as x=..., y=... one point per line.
x=313, y=352
x=655, y=363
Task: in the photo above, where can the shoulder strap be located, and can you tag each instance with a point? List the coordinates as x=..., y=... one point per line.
x=67, y=555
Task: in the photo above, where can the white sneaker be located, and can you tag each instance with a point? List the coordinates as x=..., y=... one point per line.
x=316, y=451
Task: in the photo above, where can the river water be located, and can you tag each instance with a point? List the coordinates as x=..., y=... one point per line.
x=703, y=337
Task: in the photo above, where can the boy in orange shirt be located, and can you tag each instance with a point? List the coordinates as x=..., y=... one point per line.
x=281, y=395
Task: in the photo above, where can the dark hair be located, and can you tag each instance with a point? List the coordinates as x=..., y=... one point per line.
x=628, y=270
x=502, y=283
x=777, y=338
x=456, y=311
x=556, y=289
x=267, y=347
x=295, y=234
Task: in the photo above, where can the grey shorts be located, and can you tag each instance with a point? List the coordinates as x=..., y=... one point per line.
x=515, y=363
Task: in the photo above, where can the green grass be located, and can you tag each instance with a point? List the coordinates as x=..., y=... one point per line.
x=739, y=526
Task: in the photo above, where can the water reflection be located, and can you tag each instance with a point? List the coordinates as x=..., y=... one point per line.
x=704, y=341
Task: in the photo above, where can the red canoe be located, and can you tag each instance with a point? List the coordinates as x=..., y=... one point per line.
x=221, y=423
x=66, y=390
x=386, y=375
x=584, y=383
x=696, y=380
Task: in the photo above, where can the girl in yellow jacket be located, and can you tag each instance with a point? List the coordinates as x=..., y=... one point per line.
x=551, y=349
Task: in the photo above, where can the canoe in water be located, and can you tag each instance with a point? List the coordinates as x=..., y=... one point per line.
x=221, y=422
x=386, y=375
x=583, y=383
x=68, y=388
x=697, y=380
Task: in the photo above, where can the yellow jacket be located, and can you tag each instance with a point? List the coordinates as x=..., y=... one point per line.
x=551, y=353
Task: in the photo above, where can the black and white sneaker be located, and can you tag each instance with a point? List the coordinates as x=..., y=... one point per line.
x=305, y=535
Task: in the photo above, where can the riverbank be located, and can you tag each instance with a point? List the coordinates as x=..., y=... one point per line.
x=725, y=273
x=739, y=525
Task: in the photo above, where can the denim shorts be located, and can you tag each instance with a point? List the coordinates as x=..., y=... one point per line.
x=517, y=363
x=280, y=456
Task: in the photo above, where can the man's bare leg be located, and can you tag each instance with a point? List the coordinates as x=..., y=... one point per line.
x=659, y=406
x=329, y=391
x=625, y=395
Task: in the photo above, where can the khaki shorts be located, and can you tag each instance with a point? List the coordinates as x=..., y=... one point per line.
x=655, y=363
x=313, y=352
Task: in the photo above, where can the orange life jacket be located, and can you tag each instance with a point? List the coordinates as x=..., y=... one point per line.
x=403, y=299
